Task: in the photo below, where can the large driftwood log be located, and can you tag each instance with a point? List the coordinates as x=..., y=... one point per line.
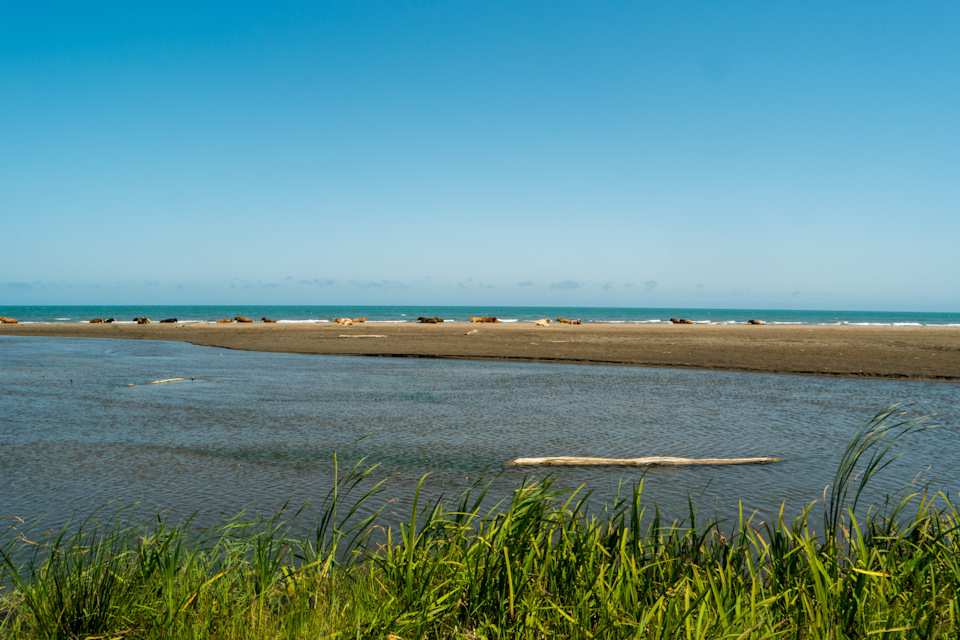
x=573, y=461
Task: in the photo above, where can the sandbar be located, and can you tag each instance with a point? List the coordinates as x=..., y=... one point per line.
x=911, y=353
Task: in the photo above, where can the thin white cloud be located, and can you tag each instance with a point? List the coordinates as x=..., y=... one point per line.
x=25, y=286
x=379, y=284
x=317, y=282
x=469, y=283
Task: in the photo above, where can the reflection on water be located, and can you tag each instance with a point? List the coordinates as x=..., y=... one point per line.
x=254, y=431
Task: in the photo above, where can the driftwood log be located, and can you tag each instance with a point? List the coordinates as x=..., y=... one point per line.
x=574, y=461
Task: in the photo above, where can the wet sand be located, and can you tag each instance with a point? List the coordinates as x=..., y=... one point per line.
x=917, y=353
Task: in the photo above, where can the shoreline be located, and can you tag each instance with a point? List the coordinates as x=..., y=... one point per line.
x=906, y=353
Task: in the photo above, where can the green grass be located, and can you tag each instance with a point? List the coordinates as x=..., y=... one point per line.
x=542, y=564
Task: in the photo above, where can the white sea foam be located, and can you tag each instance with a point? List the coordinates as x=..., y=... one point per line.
x=907, y=324
x=512, y=320
x=63, y=319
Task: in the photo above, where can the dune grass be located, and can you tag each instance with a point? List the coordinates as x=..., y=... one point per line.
x=542, y=564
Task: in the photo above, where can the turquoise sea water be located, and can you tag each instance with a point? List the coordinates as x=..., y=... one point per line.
x=67, y=314
x=252, y=431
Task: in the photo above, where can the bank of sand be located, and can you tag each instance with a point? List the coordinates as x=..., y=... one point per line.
x=919, y=353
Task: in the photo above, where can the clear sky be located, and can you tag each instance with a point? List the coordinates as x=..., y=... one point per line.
x=702, y=154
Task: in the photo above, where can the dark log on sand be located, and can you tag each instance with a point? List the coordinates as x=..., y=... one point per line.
x=573, y=461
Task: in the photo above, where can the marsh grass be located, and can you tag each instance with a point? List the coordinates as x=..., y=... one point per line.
x=540, y=564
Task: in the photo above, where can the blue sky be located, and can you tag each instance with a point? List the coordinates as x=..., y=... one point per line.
x=702, y=154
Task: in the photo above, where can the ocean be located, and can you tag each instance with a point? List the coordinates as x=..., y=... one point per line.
x=82, y=427
x=187, y=313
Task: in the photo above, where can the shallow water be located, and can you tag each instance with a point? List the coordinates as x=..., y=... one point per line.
x=252, y=431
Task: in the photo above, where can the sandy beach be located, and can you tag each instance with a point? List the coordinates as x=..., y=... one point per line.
x=916, y=353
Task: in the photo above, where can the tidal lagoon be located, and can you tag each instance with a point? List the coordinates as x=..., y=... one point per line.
x=82, y=427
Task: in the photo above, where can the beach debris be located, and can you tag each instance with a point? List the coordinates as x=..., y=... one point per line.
x=543, y=322
x=575, y=461
x=470, y=333
x=368, y=335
